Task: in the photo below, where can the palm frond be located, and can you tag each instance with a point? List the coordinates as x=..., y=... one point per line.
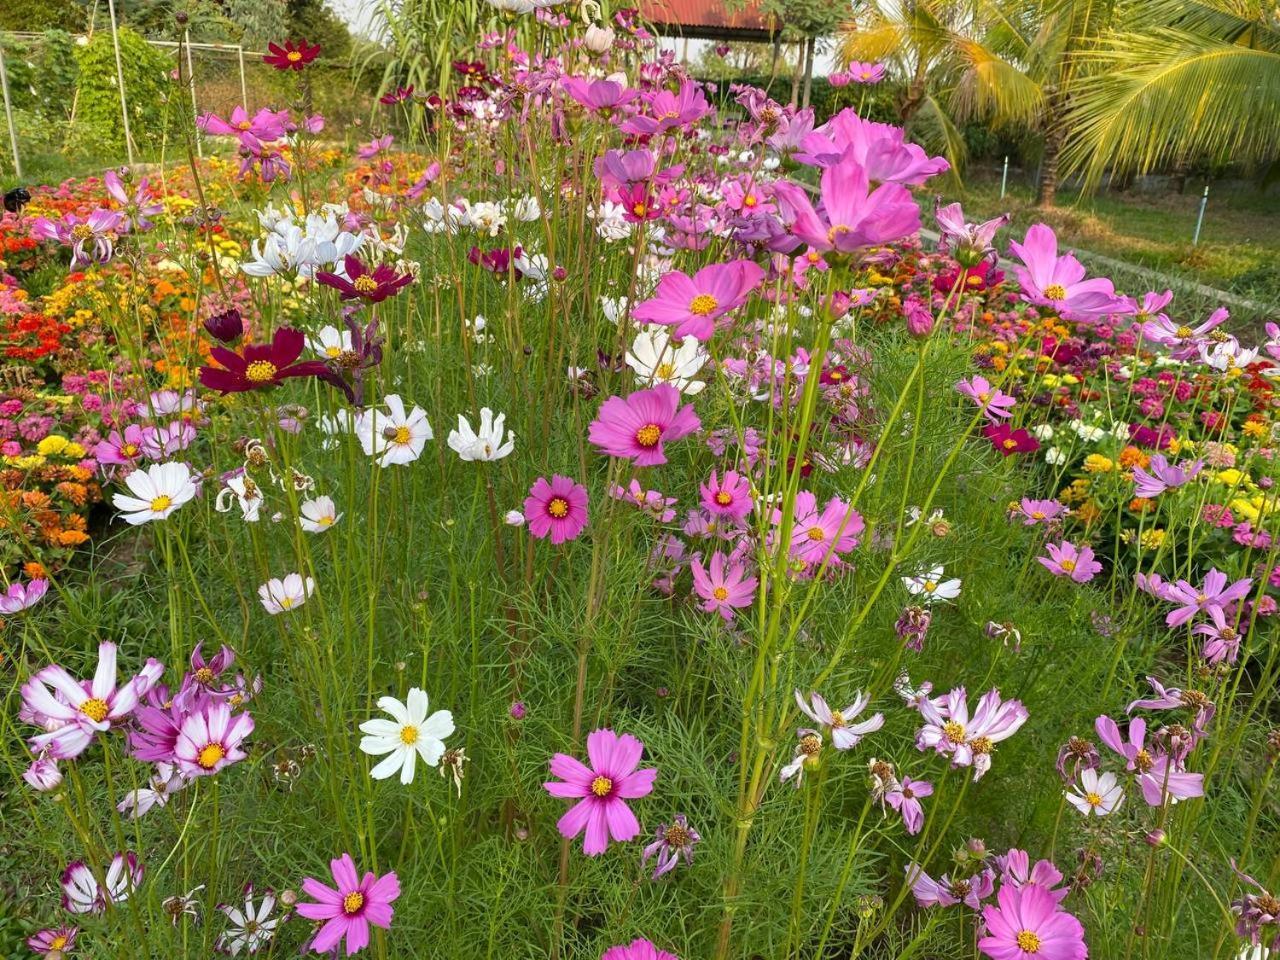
x=992, y=88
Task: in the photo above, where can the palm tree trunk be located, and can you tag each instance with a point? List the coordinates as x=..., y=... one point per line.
x=1054, y=138
x=808, y=70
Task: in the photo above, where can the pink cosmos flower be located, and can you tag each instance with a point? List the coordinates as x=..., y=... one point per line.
x=351, y=907
x=1058, y=281
x=729, y=496
x=1192, y=600
x=601, y=790
x=98, y=229
x=22, y=596
x=121, y=449
x=868, y=73
x=1160, y=475
x=266, y=124
x=969, y=243
x=994, y=402
x=905, y=798
x=210, y=740
x=1183, y=341
x=664, y=110
x=637, y=950
x=722, y=589
x=639, y=425
x=693, y=304
x=1223, y=641
x=1029, y=924
x=879, y=148
x=1160, y=777
x=821, y=536
x=651, y=502
x=948, y=729
x=1034, y=512
x=1016, y=870
x=73, y=712
x=1067, y=560
x=845, y=734
x=946, y=892
x=62, y=939
x=853, y=216
x=557, y=509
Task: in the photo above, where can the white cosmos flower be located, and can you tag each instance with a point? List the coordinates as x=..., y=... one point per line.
x=409, y=734
x=611, y=222
x=165, y=783
x=330, y=342
x=486, y=217
x=341, y=424
x=81, y=892
x=533, y=265
x=157, y=491
x=318, y=515
x=485, y=444
x=1096, y=795
x=289, y=248
x=527, y=209
x=244, y=491
x=277, y=596
x=249, y=929
x=930, y=586
x=655, y=359
x=1055, y=457
x=394, y=435
x=615, y=308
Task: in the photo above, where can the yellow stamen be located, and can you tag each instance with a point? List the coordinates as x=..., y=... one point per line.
x=703, y=304
x=1055, y=291
x=161, y=503
x=649, y=435
x=260, y=371
x=352, y=903
x=558, y=507
x=601, y=786
x=208, y=757
x=95, y=709
x=408, y=735
x=364, y=284
x=1028, y=942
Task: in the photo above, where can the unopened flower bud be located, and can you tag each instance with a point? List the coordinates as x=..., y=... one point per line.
x=1155, y=838
x=227, y=326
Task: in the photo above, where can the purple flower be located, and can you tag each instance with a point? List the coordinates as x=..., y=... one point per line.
x=1161, y=475
x=1191, y=600
x=905, y=798
x=671, y=844
x=22, y=596
x=99, y=229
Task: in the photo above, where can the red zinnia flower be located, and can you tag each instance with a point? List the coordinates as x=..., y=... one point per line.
x=361, y=283
x=1008, y=441
x=292, y=56
x=262, y=364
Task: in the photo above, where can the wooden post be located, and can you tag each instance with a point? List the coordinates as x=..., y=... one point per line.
x=244, y=91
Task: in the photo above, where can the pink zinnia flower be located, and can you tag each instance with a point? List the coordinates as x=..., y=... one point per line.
x=637, y=950
x=1029, y=925
x=1068, y=560
x=601, y=790
x=905, y=798
x=994, y=402
x=729, y=496
x=1056, y=281
x=722, y=589
x=557, y=508
x=638, y=426
x=349, y=909
x=210, y=740
x=693, y=304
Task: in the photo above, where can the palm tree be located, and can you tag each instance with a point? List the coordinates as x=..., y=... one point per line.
x=1179, y=81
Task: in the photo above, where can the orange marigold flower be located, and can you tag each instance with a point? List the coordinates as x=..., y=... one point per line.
x=71, y=538
x=1132, y=456
x=35, y=570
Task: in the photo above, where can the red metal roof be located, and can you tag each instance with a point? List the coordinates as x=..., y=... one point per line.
x=706, y=16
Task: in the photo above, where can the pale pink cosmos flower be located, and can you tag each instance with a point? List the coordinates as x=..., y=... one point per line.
x=994, y=403
x=1183, y=341
x=727, y=496
x=946, y=892
x=601, y=790
x=1067, y=560
x=1095, y=794
x=905, y=797
x=950, y=731
x=639, y=426
x=651, y=502
x=23, y=596
x=844, y=732
x=210, y=740
x=73, y=712
x=92, y=239
x=1161, y=475
x=1192, y=600
x=350, y=906
x=1059, y=282
x=694, y=304
x=1160, y=777
x=969, y=243
x=1035, y=512
x=1029, y=923
x=1224, y=638
x=724, y=586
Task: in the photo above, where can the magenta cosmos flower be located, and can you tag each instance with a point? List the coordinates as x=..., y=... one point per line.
x=820, y=536
x=638, y=426
x=556, y=508
x=905, y=798
x=693, y=304
x=1029, y=925
x=853, y=216
x=637, y=950
x=1049, y=280
x=724, y=586
x=1067, y=560
x=210, y=740
x=351, y=907
x=727, y=496
x=361, y=283
x=294, y=55
x=601, y=790
x=262, y=365
x=994, y=402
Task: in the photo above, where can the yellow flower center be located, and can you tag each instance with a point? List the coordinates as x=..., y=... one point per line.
x=665, y=371
x=1037, y=514
x=260, y=371
x=930, y=586
x=837, y=719
x=639, y=209
x=129, y=450
x=981, y=745
x=161, y=503
x=953, y=731
x=810, y=744
x=749, y=201
x=365, y=284
x=333, y=351
x=81, y=231
x=703, y=304
x=293, y=56
x=1184, y=333
x=352, y=903
x=601, y=786
x=724, y=498
x=58, y=942
x=1068, y=565
x=204, y=676
x=720, y=593
x=558, y=507
x=1143, y=761
x=816, y=534
x=325, y=521
x=1055, y=291
x=245, y=125
x=408, y=735
x=1093, y=799
x=401, y=436
x=95, y=709
x=208, y=757
x=1028, y=941
x=649, y=435
x=838, y=230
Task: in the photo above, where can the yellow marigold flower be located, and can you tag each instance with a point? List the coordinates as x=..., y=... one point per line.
x=1070, y=379
x=1088, y=512
x=1097, y=463
x=1230, y=477
x=25, y=463
x=1050, y=379
x=52, y=445
x=73, y=451
x=1255, y=428
x=1245, y=508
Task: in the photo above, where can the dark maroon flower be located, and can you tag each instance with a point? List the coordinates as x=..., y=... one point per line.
x=361, y=283
x=398, y=95
x=1008, y=441
x=499, y=261
x=226, y=326
x=262, y=365
x=294, y=55
x=472, y=68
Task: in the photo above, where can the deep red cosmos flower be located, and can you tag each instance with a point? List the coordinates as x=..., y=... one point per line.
x=361, y=283
x=1008, y=441
x=294, y=55
x=262, y=364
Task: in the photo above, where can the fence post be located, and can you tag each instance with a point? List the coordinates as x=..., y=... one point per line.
x=1204, y=202
x=191, y=79
x=124, y=101
x=8, y=116
x=1004, y=177
x=244, y=91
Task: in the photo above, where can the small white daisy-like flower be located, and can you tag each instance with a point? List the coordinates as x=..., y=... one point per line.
x=318, y=515
x=330, y=342
x=279, y=595
x=243, y=491
x=656, y=359
x=157, y=491
x=250, y=929
x=1096, y=795
x=485, y=444
x=930, y=586
x=411, y=733
x=394, y=436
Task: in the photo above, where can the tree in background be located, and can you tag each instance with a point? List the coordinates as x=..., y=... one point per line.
x=806, y=23
x=313, y=21
x=35, y=16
